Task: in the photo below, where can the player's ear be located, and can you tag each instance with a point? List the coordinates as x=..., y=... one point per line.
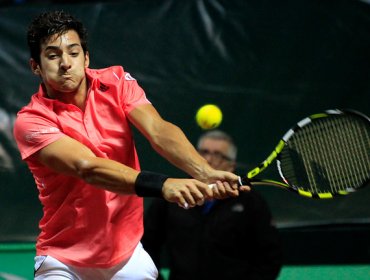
x=35, y=67
x=87, y=59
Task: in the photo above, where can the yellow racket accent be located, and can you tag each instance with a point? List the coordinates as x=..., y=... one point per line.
x=325, y=195
x=268, y=161
x=315, y=116
x=343, y=192
x=304, y=193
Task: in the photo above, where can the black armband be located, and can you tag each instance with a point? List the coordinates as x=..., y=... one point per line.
x=149, y=184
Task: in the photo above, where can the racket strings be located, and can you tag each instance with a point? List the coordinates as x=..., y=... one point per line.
x=362, y=161
x=364, y=143
x=341, y=160
x=346, y=168
x=352, y=155
x=328, y=155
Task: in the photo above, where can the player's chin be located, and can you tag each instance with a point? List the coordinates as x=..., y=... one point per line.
x=68, y=88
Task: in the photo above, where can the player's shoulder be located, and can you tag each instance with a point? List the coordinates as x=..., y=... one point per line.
x=110, y=74
x=36, y=107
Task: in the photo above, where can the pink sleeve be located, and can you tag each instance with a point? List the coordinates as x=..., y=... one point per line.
x=132, y=94
x=33, y=133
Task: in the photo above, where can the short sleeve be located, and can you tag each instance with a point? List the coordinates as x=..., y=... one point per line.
x=131, y=93
x=33, y=133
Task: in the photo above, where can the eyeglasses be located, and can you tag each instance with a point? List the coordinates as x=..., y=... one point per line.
x=216, y=155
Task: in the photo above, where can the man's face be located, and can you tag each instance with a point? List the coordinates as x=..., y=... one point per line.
x=216, y=153
x=62, y=64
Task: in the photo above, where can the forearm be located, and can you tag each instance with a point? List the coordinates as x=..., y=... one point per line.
x=169, y=141
x=68, y=156
x=173, y=145
x=108, y=174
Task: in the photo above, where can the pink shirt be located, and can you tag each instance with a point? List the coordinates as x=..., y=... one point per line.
x=84, y=225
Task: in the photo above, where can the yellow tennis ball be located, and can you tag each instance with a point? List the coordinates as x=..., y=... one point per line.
x=209, y=116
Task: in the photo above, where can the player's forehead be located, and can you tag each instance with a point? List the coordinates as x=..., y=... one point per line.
x=69, y=38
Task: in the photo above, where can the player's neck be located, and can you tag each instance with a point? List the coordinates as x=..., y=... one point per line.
x=77, y=98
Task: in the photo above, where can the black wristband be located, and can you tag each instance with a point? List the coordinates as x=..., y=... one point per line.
x=149, y=184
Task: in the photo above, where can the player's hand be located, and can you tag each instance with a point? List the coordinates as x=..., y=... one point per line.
x=224, y=184
x=186, y=192
x=223, y=190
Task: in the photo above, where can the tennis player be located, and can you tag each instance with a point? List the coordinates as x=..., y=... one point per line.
x=75, y=137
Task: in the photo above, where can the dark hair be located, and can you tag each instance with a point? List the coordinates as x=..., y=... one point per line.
x=49, y=23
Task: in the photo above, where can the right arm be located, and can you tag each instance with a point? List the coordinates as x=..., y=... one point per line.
x=68, y=156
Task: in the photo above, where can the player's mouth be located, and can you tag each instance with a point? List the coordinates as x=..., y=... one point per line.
x=67, y=77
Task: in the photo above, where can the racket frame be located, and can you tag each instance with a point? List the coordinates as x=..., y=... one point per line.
x=275, y=155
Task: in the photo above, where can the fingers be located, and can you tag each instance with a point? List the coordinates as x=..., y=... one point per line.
x=223, y=190
x=186, y=193
x=245, y=188
x=233, y=188
x=185, y=205
x=191, y=199
x=242, y=186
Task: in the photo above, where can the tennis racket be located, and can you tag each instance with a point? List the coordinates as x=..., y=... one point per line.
x=323, y=155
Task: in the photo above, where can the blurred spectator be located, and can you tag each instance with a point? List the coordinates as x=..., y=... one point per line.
x=232, y=238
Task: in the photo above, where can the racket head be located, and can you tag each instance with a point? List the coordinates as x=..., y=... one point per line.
x=326, y=154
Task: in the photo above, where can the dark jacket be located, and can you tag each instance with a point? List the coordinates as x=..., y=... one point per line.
x=234, y=239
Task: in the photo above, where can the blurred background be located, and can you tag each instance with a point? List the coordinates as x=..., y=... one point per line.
x=266, y=64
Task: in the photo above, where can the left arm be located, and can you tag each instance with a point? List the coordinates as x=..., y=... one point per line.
x=171, y=143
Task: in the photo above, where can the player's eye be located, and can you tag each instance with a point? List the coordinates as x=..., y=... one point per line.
x=52, y=56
